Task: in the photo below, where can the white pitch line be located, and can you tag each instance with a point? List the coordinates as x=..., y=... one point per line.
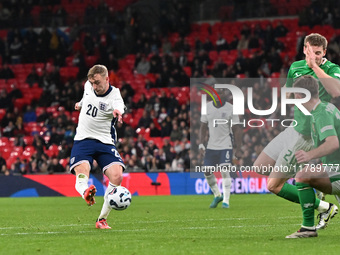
x=137, y=230
x=156, y=221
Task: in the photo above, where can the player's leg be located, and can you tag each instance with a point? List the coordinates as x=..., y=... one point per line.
x=112, y=164
x=307, y=201
x=115, y=175
x=80, y=166
x=82, y=172
x=226, y=182
x=263, y=163
x=225, y=168
x=210, y=160
x=271, y=153
x=212, y=182
x=305, y=181
x=320, y=180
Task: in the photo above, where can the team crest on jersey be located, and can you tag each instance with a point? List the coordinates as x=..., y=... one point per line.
x=103, y=106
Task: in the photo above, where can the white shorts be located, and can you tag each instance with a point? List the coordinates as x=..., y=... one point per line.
x=334, y=177
x=283, y=147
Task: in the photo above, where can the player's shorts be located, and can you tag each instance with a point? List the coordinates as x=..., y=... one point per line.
x=334, y=177
x=87, y=150
x=218, y=157
x=283, y=147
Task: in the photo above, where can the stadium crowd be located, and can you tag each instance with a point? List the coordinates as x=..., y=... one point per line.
x=163, y=123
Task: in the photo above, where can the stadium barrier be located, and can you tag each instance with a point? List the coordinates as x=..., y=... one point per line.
x=141, y=184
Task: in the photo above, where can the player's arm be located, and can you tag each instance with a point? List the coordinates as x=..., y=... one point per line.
x=202, y=135
x=79, y=104
x=238, y=135
x=331, y=84
x=119, y=106
x=330, y=145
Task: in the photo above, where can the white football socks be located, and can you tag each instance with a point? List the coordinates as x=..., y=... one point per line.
x=81, y=184
x=211, y=179
x=226, y=181
x=106, y=209
x=323, y=206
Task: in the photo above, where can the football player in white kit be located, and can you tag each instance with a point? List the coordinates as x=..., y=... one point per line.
x=95, y=138
x=219, y=149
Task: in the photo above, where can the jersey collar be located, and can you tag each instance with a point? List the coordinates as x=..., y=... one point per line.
x=316, y=105
x=106, y=93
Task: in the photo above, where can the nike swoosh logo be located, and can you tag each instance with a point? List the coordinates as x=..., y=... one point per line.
x=329, y=216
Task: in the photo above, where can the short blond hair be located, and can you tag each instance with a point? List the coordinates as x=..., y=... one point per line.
x=315, y=39
x=98, y=69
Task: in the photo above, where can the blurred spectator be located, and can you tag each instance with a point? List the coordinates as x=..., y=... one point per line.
x=18, y=167
x=145, y=120
x=55, y=166
x=154, y=131
x=3, y=165
x=221, y=43
x=233, y=44
x=146, y=160
x=32, y=77
x=207, y=45
x=29, y=115
x=176, y=133
x=166, y=46
x=143, y=66
x=55, y=137
x=15, y=49
x=6, y=72
x=243, y=43
x=280, y=30
x=111, y=62
x=9, y=130
x=5, y=16
x=59, y=17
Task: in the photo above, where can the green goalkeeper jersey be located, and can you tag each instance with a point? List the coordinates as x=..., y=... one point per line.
x=325, y=122
x=300, y=68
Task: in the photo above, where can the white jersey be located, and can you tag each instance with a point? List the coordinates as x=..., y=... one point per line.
x=220, y=135
x=96, y=114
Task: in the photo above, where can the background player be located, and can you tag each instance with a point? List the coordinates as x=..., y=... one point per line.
x=220, y=146
x=281, y=150
x=96, y=136
x=325, y=132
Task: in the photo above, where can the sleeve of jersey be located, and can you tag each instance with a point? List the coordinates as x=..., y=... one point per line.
x=325, y=126
x=335, y=72
x=236, y=119
x=204, y=118
x=87, y=86
x=118, y=102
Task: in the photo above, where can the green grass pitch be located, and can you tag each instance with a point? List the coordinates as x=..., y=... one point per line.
x=254, y=224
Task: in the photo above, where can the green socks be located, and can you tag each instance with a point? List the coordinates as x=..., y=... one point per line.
x=290, y=193
x=307, y=202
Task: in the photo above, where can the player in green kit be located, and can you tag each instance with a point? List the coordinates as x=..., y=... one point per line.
x=281, y=150
x=325, y=132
